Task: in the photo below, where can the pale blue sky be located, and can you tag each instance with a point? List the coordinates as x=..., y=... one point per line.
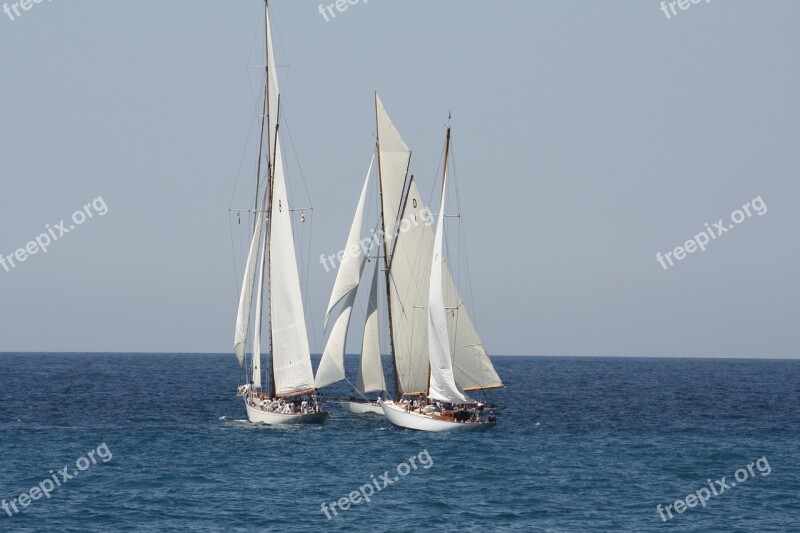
x=588, y=136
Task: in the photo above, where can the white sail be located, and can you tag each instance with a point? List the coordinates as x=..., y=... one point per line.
x=246, y=295
x=349, y=274
x=256, y=377
x=442, y=381
x=331, y=366
x=410, y=275
x=370, y=372
x=471, y=364
x=394, y=157
x=408, y=284
x=273, y=94
x=291, y=358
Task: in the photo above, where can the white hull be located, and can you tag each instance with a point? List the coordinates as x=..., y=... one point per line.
x=398, y=416
x=260, y=416
x=361, y=408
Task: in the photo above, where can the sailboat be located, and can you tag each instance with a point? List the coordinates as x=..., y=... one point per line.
x=290, y=395
x=437, y=355
x=371, y=377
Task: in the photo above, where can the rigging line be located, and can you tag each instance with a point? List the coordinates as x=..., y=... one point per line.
x=296, y=157
x=438, y=173
x=276, y=31
x=418, y=252
x=256, y=34
x=244, y=153
x=463, y=235
x=233, y=253
x=308, y=278
x=356, y=389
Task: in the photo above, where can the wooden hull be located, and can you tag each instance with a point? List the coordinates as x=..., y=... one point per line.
x=398, y=416
x=259, y=416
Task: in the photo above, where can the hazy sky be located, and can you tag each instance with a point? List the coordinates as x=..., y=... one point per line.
x=588, y=136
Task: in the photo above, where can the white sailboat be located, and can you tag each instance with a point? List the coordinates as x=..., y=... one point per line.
x=436, y=352
x=331, y=368
x=290, y=396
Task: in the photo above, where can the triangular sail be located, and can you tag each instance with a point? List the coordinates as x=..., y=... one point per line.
x=273, y=94
x=273, y=244
x=409, y=263
x=442, y=381
x=256, y=377
x=291, y=358
x=394, y=157
x=246, y=295
x=349, y=273
x=409, y=277
x=370, y=372
x=471, y=364
x=331, y=366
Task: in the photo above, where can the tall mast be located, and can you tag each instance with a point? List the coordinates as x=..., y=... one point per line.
x=269, y=236
x=263, y=120
x=271, y=170
x=398, y=391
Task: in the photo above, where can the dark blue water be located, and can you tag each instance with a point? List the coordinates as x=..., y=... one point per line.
x=585, y=444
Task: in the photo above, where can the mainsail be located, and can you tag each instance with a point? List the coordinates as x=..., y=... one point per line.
x=291, y=358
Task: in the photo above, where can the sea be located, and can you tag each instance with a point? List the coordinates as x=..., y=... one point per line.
x=149, y=442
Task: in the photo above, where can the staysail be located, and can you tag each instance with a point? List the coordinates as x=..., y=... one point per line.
x=331, y=366
x=370, y=372
x=246, y=295
x=349, y=274
x=256, y=376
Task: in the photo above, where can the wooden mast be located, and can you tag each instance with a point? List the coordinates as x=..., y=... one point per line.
x=397, y=388
x=271, y=169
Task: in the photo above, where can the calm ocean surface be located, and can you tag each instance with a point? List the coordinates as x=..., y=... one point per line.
x=584, y=445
